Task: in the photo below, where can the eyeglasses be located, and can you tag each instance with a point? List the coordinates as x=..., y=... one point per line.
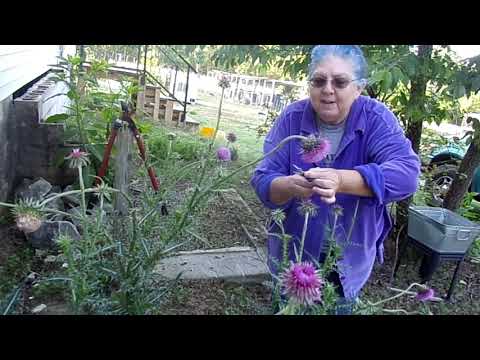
x=338, y=83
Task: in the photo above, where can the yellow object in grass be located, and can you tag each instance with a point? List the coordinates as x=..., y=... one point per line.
x=207, y=132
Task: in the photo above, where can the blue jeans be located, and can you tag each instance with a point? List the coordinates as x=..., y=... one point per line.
x=344, y=306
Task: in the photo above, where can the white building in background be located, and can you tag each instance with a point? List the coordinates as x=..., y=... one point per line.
x=176, y=82
x=466, y=51
x=253, y=90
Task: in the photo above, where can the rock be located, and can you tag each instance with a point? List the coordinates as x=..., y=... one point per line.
x=22, y=189
x=50, y=259
x=39, y=308
x=57, y=308
x=73, y=199
x=36, y=190
x=61, y=258
x=46, y=236
x=32, y=276
x=56, y=204
x=78, y=212
x=40, y=253
x=107, y=208
x=91, y=214
x=56, y=189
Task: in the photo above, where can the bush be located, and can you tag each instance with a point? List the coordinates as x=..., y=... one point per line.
x=188, y=147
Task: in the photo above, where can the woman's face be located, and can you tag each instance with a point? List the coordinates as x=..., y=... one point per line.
x=332, y=99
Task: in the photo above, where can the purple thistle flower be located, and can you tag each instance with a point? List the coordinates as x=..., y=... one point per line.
x=78, y=158
x=302, y=283
x=77, y=154
x=224, y=154
x=314, y=149
x=425, y=295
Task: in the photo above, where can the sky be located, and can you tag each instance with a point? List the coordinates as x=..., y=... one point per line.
x=466, y=51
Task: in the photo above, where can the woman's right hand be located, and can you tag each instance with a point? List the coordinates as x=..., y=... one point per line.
x=300, y=187
x=284, y=188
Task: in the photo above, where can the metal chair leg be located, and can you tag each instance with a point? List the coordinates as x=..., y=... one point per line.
x=454, y=280
x=400, y=255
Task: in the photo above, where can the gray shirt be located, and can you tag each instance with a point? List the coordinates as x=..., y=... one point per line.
x=334, y=134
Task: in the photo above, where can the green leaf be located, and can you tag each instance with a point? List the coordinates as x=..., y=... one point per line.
x=377, y=77
x=56, y=118
x=476, y=83
x=96, y=150
x=397, y=76
x=411, y=66
x=387, y=81
x=72, y=95
x=87, y=173
x=459, y=91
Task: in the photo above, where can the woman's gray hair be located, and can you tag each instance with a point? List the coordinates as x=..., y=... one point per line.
x=352, y=53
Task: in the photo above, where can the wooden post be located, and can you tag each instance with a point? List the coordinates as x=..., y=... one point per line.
x=175, y=80
x=138, y=56
x=185, y=102
x=156, y=107
x=169, y=112
x=80, y=80
x=122, y=169
x=142, y=88
x=141, y=96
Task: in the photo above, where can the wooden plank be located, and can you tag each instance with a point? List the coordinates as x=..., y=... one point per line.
x=169, y=112
x=122, y=169
x=156, y=106
x=141, y=96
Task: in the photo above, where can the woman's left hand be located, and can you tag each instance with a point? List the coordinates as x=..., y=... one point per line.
x=326, y=181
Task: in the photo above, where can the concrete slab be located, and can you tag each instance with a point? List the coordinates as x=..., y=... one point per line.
x=237, y=264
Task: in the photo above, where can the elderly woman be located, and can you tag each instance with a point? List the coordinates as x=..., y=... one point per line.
x=369, y=164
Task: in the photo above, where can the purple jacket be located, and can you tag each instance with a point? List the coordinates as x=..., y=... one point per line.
x=373, y=144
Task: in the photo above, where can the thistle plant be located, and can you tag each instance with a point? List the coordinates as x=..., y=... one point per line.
x=424, y=295
x=231, y=139
x=302, y=285
x=78, y=159
x=224, y=154
x=171, y=137
x=307, y=208
x=315, y=148
x=224, y=83
x=28, y=215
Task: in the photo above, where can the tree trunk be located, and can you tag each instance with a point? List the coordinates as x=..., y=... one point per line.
x=459, y=187
x=414, y=128
x=371, y=92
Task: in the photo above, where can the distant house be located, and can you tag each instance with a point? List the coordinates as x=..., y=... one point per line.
x=21, y=67
x=176, y=82
x=255, y=90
